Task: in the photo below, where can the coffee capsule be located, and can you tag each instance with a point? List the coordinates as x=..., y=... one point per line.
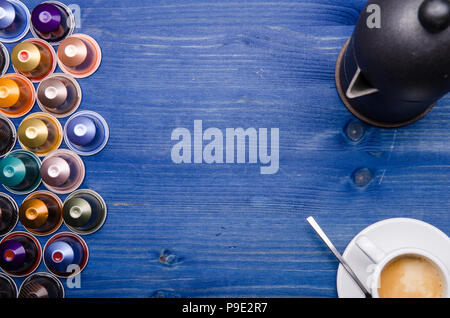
x=84, y=212
x=4, y=60
x=8, y=288
x=20, y=254
x=20, y=172
x=79, y=55
x=8, y=136
x=41, y=213
x=14, y=21
x=9, y=214
x=41, y=285
x=17, y=95
x=66, y=254
x=62, y=171
x=40, y=133
x=59, y=95
x=52, y=21
x=34, y=58
x=86, y=133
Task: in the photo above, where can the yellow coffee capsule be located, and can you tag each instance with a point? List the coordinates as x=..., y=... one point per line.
x=40, y=133
x=34, y=58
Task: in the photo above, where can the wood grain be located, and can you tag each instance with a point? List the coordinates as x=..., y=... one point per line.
x=225, y=230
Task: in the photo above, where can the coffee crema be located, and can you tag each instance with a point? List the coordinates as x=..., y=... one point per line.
x=411, y=276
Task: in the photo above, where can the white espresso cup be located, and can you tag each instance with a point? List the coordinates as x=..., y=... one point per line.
x=381, y=259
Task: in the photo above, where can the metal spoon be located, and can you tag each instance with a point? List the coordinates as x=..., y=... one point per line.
x=330, y=245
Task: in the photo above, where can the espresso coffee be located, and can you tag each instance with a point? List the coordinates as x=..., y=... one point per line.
x=411, y=276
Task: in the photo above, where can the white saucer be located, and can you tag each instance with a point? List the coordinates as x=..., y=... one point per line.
x=390, y=235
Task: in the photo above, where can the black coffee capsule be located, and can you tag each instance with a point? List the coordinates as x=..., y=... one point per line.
x=84, y=211
x=4, y=60
x=8, y=288
x=9, y=214
x=8, y=136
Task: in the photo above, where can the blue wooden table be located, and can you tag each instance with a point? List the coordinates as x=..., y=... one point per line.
x=226, y=230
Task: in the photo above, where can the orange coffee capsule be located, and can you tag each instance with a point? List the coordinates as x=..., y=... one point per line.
x=17, y=95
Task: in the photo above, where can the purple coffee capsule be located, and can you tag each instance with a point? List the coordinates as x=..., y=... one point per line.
x=20, y=254
x=86, y=133
x=14, y=20
x=52, y=21
x=62, y=171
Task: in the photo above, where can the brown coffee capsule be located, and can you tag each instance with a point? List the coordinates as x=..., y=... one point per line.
x=41, y=285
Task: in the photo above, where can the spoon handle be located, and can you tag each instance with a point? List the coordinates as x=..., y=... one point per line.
x=333, y=249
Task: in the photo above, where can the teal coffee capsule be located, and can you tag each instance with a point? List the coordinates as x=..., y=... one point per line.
x=20, y=172
x=84, y=212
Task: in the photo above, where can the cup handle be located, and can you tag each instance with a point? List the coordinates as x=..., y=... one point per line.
x=372, y=251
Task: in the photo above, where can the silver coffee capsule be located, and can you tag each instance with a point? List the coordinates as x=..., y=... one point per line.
x=59, y=95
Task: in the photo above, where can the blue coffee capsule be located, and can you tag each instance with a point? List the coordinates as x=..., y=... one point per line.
x=86, y=133
x=15, y=20
x=66, y=254
x=20, y=172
